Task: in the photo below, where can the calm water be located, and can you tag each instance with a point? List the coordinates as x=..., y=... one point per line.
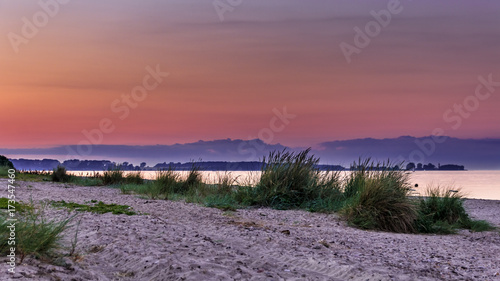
x=475, y=184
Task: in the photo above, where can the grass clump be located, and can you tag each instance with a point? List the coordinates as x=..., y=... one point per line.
x=441, y=211
x=166, y=183
x=134, y=178
x=373, y=196
x=329, y=197
x=7, y=204
x=113, y=176
x=224, y=202
x=292, y=180
x=287, y=179
x=193, y=179
x=226, y=183
x=131, y=188
x=4, y=171
x=86, y=181
x=59, y=174
x=377, y=198
x=95, y=207
x=35, y=234
x=35, y=176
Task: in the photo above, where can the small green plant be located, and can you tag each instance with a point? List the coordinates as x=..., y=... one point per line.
x=377, y=198
x=330, y=197
x=113, y=176
x=288, y=180
x=59, y=174
x=35, y=234
x=86, y=181
x=442, y=211
x=166, y=183
x=146, y=188
x=17, y=206
x=134, y=178
x=223, y=202
x=193, y=178
x=35, y=176
x=291, y=180
x=99, y=207
x=74, y=241
x=4, y=171
x=226, y=183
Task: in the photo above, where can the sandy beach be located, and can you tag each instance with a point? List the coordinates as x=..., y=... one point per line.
x=179, y=241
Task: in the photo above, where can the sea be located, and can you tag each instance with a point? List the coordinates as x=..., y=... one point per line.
x=479, y=184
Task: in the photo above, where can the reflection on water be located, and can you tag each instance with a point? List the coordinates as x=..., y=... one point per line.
x=475, y=184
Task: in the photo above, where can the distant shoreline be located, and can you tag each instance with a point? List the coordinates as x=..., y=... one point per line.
x=102, y=165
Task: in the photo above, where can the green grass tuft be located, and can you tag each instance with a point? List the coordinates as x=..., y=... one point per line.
x=442, y=211
x=193, y=179
x=134, y=178
x=16, y=206
x=291, y=180
x=377, y=198
x=114, y=176
x=95, y=207
x=35, y=234
x=4, y=171
x=59, y=174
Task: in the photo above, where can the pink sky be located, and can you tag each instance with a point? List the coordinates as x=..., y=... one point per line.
x=227, y=76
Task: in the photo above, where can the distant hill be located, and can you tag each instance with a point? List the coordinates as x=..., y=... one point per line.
x=472, y=153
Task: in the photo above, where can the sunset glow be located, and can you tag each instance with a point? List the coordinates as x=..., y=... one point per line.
x=226, y=77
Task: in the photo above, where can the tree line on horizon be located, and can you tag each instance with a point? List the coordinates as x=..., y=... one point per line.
x=102, y=165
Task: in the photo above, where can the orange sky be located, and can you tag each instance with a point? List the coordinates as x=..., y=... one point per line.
x=227, y=76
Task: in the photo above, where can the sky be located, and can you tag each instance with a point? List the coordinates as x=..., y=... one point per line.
x=269, y=69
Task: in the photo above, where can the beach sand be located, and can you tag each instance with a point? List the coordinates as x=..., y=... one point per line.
x=180, y=241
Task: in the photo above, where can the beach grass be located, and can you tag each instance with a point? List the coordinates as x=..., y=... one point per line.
x=134, y=178
x=375, y=195
x=441, y=211
x=17, y=206
x=35, y=176
x=95, y=207
x=86, y=181
x=113, y=176
x=193, y=180
x=60, y=174
x=4, y=171
x=35, y=234
x=291, y=180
